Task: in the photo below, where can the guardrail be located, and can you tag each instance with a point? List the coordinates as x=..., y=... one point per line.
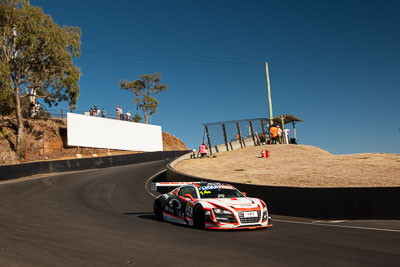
x=28, y=169
x=62, y=114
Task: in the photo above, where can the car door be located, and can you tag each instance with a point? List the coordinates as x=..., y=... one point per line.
x=180, y=208
x=190, y=201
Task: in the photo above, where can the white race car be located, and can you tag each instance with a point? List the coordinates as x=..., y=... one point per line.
x=210, y=206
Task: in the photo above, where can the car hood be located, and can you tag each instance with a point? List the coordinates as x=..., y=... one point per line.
x=242, y=202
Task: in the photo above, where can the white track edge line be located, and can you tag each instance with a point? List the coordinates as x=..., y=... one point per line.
x=151, y=178
x=340, y=226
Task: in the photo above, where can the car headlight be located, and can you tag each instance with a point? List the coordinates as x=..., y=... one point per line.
x=221, y=211
x=264, y=211
x=265, y=216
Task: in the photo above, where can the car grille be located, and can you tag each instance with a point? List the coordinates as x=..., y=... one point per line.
x=251, y=219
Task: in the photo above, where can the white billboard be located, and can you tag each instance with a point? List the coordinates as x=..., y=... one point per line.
x=90, y=131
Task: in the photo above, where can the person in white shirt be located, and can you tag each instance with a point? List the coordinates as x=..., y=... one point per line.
x=279, y=134
x=287, y=136
x=118, y=112
x=121, y=113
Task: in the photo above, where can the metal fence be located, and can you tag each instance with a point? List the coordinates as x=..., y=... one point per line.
x=229, y=135
x=61, y=114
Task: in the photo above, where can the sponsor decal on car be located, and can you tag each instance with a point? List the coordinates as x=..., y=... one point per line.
x=216, y=186
x=205, y=192
x=175, y=202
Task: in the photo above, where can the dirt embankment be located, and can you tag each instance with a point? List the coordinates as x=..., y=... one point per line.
x=46, y=139
x=298, y=165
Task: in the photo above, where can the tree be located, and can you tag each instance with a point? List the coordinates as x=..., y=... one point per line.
x=36, y=58
x=142, y=88
x=137, y=118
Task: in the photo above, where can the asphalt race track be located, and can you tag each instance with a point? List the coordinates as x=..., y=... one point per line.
x=104, y=217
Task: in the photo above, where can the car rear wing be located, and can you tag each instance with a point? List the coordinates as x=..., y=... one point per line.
x=155, y=186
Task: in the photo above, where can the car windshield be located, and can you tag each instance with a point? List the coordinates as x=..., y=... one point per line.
x=219, y=192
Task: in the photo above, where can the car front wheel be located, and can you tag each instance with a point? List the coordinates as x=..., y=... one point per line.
x=198, y=220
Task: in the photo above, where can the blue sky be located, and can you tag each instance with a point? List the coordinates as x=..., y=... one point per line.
x=334, y=64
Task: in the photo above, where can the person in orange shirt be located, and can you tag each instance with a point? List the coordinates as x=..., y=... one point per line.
x=274, y=133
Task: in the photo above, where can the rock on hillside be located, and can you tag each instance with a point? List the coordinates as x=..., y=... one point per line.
x=47, y=139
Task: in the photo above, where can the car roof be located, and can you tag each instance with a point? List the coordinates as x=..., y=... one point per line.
x=201, y=184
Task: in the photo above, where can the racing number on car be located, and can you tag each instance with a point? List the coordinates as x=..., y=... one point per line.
x=189, y=210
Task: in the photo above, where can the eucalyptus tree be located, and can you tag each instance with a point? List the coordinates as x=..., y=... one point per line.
x=36, y=58
x=142, y=88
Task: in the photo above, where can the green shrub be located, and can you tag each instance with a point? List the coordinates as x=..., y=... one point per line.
x=4, y=132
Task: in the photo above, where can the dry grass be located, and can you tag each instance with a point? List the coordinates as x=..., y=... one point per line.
x=298, y=165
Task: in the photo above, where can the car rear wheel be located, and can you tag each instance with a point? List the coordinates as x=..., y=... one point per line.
x=158, y=210
x=198, y=220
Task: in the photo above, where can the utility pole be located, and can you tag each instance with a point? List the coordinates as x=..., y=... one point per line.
x=269, y=94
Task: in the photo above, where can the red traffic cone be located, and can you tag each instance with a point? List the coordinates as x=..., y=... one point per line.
x=262, y=154
x=267, y=153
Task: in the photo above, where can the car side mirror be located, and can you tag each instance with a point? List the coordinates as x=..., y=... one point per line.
x=244, y=193
x=189, y=196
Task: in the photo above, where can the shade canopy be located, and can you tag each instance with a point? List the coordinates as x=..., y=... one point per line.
x=286, y=118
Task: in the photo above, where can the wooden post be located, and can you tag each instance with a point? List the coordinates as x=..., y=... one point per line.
x=62, y=115
x=239, y=133
x=262, y=126
x=294, y=131
x=252, y=132
x=208, y=139
x=226, y=140
x=283, y=137
x=263, y=130
x=79, y=150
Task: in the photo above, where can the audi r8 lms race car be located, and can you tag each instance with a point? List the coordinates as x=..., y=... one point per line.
x=210, y=206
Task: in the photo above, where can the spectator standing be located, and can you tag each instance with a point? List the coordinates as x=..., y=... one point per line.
x=121, y=113
x=31, y=109
x=287, y=136
x=203, y=150
x=103, y=113
x=118, y=112
x=96, y=111
x=128, y=115
x=279, y=134
x=37, y=109
x=274, y=133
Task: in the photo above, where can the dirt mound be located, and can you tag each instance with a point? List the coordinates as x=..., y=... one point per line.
x=297, y=165
x=171, y=142
x=46, y=139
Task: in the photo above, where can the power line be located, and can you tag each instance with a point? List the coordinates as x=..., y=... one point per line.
x=171, y=58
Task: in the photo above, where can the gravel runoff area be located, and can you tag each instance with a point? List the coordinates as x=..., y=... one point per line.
x=298, y=166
